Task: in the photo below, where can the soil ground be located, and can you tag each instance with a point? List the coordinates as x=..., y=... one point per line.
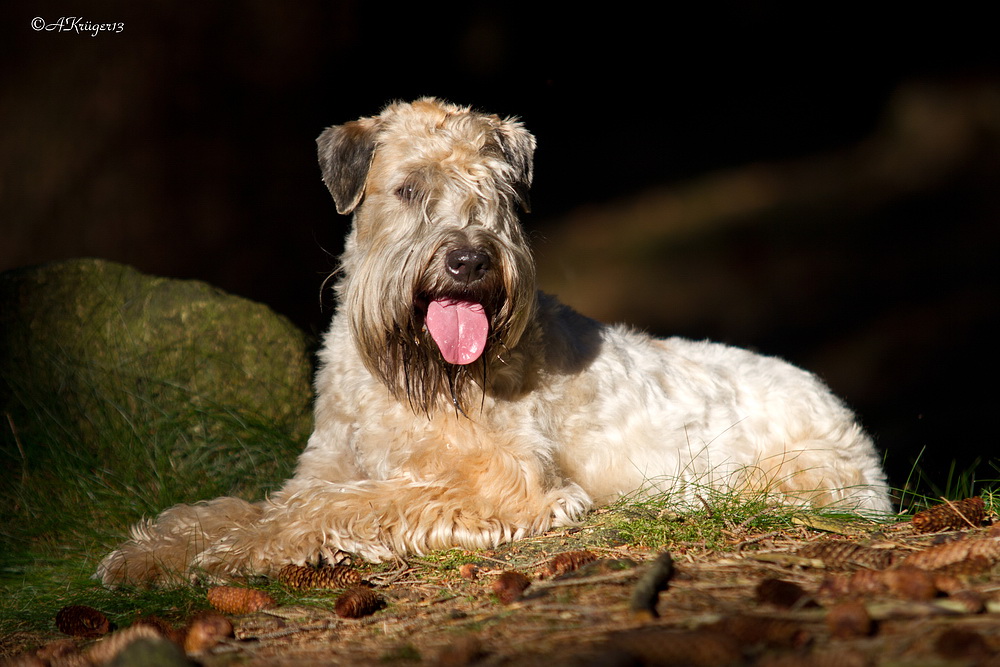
x=767, y=599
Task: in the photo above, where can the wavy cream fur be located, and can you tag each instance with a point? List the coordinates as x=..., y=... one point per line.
x=561, y=413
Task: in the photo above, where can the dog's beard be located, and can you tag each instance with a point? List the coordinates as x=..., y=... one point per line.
x=414, y=369
x=400, y=351
x=403, y=354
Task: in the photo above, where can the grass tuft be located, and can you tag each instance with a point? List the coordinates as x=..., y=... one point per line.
x=716, y=519
x=924, y=488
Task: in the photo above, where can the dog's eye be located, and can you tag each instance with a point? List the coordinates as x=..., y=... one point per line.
x=406, y=192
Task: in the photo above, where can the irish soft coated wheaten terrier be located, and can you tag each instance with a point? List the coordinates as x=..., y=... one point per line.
x=456, y=405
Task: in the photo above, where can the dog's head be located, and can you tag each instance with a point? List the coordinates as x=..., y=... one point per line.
x=437, y=277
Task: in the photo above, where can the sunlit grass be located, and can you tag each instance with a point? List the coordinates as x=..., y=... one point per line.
x=716, y=519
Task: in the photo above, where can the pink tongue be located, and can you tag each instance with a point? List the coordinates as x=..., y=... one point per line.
x=459, y=328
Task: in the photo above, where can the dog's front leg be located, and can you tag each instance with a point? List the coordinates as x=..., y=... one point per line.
x=381, y=519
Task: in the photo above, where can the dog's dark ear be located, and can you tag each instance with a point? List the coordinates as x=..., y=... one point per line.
x=345, y=156
x=518, y=147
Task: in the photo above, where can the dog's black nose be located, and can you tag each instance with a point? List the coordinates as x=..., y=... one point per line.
x=467, y=265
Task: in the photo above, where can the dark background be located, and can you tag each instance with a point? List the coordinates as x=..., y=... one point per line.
x=816, y=185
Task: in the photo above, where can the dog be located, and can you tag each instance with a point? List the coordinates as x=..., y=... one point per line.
x=458, y=406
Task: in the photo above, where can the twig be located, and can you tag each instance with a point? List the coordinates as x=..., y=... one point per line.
x=495, y=560
x=647, y=591
x=386, y=578
x=582, y=581
x=786, y=559
x=708, y=508
x=758, y=538
x=746, y=522
x=284, y=632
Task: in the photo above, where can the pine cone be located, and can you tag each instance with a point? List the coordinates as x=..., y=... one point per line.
x=205, y=630
x=969, y=567
x=238, y=601
x=781, y=593
x=357, y=602
x=910, y=583
x=468, y=571
x=867, y=582
x=569, y=561
x=509, y=586
x=106, y=650
x=302, y=577
x=848, y=620
x=82, y=621
x=749, y=630
x=948, y=555
x=905, y=582
x=842, y=554
x=660, y=646
x=956, y=515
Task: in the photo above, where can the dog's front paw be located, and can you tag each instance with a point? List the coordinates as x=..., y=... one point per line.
x=571, y=502
x=276, y=542
x=131, y=564
x=117, y=568
x=231, y=558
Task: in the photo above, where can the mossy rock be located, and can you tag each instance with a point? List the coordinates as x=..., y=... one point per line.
x=166, y=389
